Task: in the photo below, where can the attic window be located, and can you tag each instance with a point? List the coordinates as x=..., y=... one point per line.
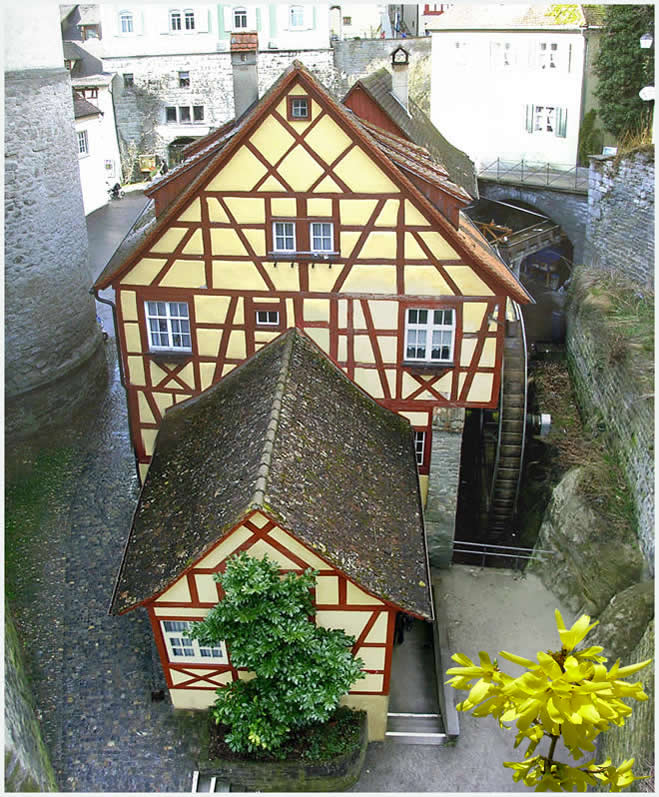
x=298, y=108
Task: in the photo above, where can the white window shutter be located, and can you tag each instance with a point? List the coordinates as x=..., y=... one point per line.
x=201, y=19
x=529, y=118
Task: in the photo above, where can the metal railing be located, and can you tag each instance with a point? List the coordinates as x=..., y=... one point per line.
x=556, y=175
x=485, y=550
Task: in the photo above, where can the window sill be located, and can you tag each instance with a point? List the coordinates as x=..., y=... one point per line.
x=323, y=257
x=414, y=365
x=169, y=355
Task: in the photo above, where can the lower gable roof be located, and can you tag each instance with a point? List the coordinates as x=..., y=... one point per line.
x=288, y=433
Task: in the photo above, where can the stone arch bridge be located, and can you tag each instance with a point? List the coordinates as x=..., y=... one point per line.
x=568, y=207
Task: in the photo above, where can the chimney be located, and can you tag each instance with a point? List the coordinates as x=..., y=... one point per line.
x=244, y=50
x=400, y=59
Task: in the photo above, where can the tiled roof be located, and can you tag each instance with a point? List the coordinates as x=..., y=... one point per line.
x=418, y=127
x=142, y=226
x=101, y=79
x=503, y=16
x=82, y=107
x=414, y=159
x=288, y=433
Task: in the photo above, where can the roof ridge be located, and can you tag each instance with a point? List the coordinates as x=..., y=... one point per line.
x=271, y=429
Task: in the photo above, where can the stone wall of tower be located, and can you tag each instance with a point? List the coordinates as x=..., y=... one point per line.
x=53, y=352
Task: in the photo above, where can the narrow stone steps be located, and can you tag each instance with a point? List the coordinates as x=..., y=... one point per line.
x=411, y=728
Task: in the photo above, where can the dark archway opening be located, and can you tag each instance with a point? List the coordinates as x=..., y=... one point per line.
x=175, y=150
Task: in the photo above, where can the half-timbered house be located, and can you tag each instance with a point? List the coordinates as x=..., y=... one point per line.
x=301, y=214
x=284, y=457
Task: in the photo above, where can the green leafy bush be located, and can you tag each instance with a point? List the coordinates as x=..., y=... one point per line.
x=301, y=670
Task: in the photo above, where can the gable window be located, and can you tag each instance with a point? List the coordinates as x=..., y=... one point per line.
x=175, y=20
x=184, y=80
x=284, y=236
x=128, y=80
x=126, y=22
x=239, y=18
x=550, y=119
x=429, y=335
x=420, y=446
x=182, y=648
x=83, y=144
x=267, y=318
x=296, y=16
x=298, y=108
x=322, y=236
x=168, y=326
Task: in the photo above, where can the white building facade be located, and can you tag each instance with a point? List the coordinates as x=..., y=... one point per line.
x=509, y=83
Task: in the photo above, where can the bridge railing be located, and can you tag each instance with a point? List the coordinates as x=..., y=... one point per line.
x=556, y=175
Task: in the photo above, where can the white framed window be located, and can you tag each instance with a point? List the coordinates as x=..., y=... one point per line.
x=551, y=119
x=126, y=22
x=168, y=326
x=239, y=18
x=188, y=18
x=184, y=114
x=184, y=80
x=420, y=446
x=548, y=56
x=83, y=143
x=501, y=55
x=267, y=318
x=181, y=648
x=429, y=335
x=322, y=236
x=296, y=17
x=175, y=20
x=283, y=236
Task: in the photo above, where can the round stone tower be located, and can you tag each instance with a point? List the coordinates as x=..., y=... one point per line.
x=53, y=352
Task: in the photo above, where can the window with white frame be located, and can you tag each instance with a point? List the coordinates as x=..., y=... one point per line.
x=126, y=22
x=429, y=335
x=283, y=234
x=296, y=16
x=168, y=326
x=322, y=236
x=239, y=18
x=548, y=55
x=184, y=80
x=182, y=648
x=175, y=20
x=501, y=54
x=184, y=114
x=83, y=144
x=188, y=15
x=420, y=446
x=267, y=318
x=550, y=119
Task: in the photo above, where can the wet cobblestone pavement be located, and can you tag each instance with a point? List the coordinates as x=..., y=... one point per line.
x=93, y=674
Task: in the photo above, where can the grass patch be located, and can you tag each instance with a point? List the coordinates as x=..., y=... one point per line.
x=29, y=499
x=636, y=140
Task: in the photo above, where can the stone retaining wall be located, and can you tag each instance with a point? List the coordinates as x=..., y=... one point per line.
x=620, y=231
x=609, y=388
x=27, y=766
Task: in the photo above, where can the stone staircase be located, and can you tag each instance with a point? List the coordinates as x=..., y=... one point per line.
x=408, y=728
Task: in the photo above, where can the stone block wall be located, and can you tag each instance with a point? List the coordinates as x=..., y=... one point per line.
x=51, y=333
x=354, y=58
x=610, y=389
x=27, y=766
x=620, y=231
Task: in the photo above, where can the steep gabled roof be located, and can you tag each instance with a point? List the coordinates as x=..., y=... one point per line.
x=419, y=129
x=82, y=107
x=216, y=149
x=287, y=433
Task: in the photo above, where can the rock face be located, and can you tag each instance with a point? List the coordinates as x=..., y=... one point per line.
x=592, y=560
x=624, y=621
